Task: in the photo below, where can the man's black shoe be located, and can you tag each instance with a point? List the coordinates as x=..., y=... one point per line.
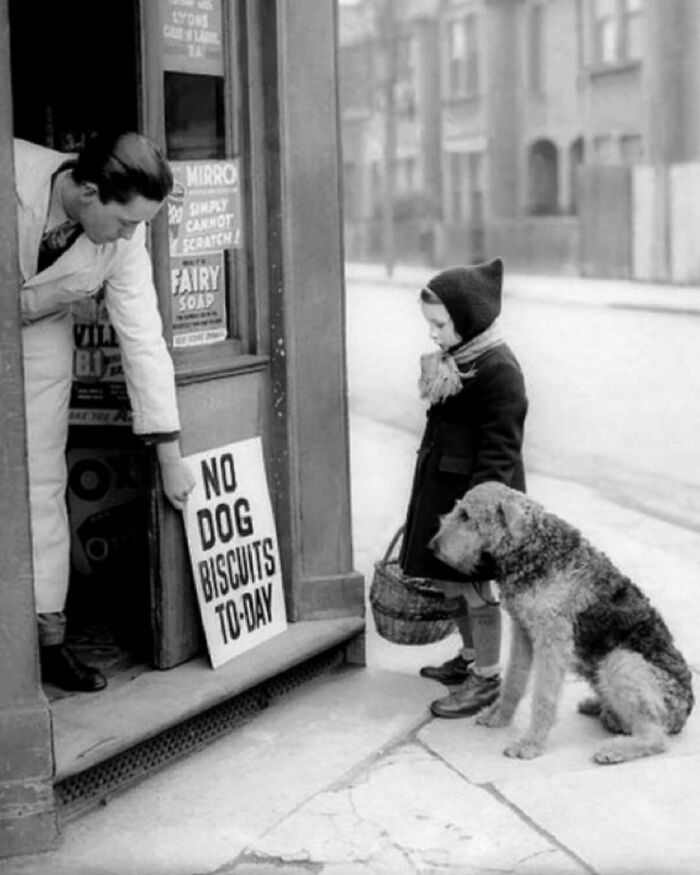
x=451, y=673
x=61, y=667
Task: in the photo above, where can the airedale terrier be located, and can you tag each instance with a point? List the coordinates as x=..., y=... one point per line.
x=569, y=606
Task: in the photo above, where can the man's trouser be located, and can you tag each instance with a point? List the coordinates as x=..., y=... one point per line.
x=48, y=367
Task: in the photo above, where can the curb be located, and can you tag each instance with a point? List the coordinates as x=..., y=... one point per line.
x=551, y=289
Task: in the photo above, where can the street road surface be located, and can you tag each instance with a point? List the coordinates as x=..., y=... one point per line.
x=614, y=393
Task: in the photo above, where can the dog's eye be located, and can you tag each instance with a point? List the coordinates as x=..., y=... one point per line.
x=463, y=515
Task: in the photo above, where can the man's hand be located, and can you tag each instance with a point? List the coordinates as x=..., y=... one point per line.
x=178, y=480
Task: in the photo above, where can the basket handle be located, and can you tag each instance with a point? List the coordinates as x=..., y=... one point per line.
x=392, y=543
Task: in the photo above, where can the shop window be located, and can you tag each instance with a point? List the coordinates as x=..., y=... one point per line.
x=206, y=209
x=543, y=166
x=194, y=109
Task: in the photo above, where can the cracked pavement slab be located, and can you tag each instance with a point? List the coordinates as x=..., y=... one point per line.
x=408, y=813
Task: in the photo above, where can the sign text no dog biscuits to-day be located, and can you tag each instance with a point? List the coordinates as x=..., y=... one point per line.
x=234, y=551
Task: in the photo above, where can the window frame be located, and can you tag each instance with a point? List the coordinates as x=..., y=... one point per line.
x=611, y=30
x=238, y=350
x=462, y=73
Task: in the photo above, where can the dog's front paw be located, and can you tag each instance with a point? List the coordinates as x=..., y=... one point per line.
x=524, y=749
x=493, y=717
x=608, y=755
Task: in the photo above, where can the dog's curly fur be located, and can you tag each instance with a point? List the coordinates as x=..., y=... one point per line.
x=569, y=606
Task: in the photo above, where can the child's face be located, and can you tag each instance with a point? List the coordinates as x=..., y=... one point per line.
x=442, y=329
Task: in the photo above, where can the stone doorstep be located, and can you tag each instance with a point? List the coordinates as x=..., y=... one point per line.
x=90, y=728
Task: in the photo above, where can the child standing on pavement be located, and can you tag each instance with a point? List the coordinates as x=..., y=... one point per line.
x=474, y=432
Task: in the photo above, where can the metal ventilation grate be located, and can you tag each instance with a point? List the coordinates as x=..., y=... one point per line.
x=86, y=789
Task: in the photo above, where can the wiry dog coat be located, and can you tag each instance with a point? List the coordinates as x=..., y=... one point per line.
x=569, y=604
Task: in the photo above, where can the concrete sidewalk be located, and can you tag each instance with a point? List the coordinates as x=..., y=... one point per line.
x=349, y=775
x=575, y=290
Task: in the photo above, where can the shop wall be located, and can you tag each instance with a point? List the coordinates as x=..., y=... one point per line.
x=605, y=211
x=650, y=239
x=222, y=411
x=310, y=282
x=542, y=245
x=666, y=216
x=27, y=816
x=684, y=222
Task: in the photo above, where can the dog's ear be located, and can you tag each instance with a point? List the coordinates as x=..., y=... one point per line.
x=512, y=514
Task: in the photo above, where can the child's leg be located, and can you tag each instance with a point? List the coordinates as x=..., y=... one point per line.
x=482, y=685
x=464, y=627
x=485, y=619
x=456, y=670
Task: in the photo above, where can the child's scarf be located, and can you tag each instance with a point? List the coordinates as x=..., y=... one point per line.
x=443, y=373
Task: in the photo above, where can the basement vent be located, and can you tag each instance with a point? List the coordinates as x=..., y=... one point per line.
x=86, y=789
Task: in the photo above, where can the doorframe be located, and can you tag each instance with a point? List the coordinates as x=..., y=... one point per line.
x=28, y=820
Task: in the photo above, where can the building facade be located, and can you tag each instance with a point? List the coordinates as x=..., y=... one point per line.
x=549, y=113
x=242, y=95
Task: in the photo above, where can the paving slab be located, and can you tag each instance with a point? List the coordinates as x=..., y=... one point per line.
x=411, y=813
x=476, y=752
x=639, y=818
x=201, y=813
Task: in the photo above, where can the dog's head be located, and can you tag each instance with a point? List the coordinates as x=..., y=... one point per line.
x=483, y=526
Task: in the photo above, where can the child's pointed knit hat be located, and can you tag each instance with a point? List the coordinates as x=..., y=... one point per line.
x=471, y=295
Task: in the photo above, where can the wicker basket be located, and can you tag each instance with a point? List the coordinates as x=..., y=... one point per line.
x=409, y=610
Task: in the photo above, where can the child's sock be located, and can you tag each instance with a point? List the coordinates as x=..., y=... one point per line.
x=486, y=631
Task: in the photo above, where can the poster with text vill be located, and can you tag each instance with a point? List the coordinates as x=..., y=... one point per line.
x=233, y=548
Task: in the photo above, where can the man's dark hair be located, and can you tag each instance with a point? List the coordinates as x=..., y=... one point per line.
x=122, y=166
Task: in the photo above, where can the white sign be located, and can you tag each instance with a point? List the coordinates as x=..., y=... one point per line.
x=233, y=549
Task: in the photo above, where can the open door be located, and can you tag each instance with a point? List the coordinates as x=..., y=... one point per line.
x=194, y=82
x=68, y=82
x=181, y=72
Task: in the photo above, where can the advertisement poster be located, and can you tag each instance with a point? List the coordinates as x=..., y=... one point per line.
x=199, y=299
x=192, y=36
x=204, y=212
x=108, y=508
x=98, y=393
x=233, y=550
x=203, y=222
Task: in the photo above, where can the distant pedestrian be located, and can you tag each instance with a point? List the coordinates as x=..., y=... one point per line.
x=477, y=405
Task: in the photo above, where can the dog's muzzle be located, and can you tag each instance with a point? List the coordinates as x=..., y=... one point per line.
x=482, y=570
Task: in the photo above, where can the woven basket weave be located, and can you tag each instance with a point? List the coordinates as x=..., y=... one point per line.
x=409, y=610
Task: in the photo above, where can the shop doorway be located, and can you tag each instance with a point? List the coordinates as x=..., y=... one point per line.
x=76, y=71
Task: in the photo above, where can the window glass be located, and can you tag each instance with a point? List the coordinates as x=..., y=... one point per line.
x=463, y=55
x=606, y=31
x=205, y=208
x=631, y=149
x=633, y=29
x=194, y=112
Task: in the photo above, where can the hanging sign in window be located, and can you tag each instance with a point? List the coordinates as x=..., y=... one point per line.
x=204, y=208
x=98, y=391
x=233, y=549
x=199, y=299
x=192, y=36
